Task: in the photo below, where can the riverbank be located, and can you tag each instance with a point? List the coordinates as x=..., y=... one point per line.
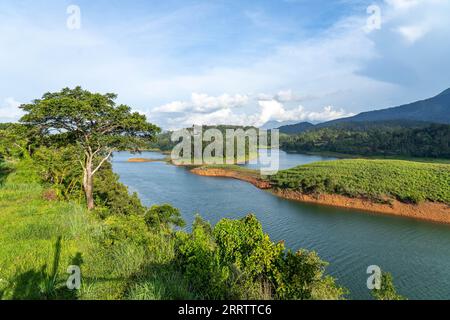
x=244, y=175
x=146, y=160
x=424, y=210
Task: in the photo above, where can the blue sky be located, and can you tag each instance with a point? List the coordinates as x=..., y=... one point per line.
x=237, y=62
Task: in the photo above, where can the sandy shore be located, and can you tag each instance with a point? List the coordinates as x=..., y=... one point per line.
x=428, y=211
x=145, y=160
x=213, y=172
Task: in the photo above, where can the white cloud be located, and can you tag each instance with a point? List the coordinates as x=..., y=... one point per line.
x=204, y=103
x=412, y=33
x=340, y=66
x=268, y=110
x=274, y=110
x=9, y=110
x=402, y=4
x=283, y=96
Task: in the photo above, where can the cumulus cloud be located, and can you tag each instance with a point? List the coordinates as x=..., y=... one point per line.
x=267, y=110
x=284, y=96
x=274, y=110
x=412, y=33
x=203, y=103
x=414, y=19
x=9, y=110
x=359, y=71
x=402, y=4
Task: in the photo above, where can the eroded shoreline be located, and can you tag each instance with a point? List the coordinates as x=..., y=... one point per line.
x=426, y=211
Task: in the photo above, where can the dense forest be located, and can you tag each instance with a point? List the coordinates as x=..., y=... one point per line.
x=125, y=249
x=431, y=141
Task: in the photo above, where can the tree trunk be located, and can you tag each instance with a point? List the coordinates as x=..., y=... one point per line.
x=88, y=185
x=89, y=190
x=88, y=176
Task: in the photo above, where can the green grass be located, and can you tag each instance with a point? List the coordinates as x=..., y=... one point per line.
x=39, y=239
x=231, y=167
x=378, y=180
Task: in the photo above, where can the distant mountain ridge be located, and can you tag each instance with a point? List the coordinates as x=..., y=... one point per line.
x=435, y=109
x=296, y=128
x=277, y=124
x=432, y=110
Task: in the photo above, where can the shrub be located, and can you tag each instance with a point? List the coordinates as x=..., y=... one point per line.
x=387, y=290
x=112, y=194
x=126, y=228
x=236, y=260
x=163, y=217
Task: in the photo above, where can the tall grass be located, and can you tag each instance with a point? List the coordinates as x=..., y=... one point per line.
x=39, y=239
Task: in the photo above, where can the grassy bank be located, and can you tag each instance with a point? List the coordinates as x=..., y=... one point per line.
x=378, y=180
x=39, y=239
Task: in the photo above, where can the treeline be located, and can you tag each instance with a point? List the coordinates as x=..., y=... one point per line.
x=163, y=141
x=431, y=141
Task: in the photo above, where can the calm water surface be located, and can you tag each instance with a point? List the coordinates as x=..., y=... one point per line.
x=416, y=253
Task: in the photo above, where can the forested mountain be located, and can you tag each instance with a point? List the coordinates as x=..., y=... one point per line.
x=436, y=109
x=416, y=114
x=296, y=128
x=276, y=124
x=420, y=141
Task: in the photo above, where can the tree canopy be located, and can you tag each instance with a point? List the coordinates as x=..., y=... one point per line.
x=91, y=121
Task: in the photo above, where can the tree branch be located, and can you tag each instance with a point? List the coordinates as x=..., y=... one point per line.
x=101, y=162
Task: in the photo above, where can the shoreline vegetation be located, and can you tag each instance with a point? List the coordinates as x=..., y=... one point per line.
x=412, y=203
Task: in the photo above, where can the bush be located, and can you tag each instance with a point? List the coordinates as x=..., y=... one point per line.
x=163, y=217
x=236, y=260
x=387, y=290
x=126, y=228
x=112, y=194
x=301, y=277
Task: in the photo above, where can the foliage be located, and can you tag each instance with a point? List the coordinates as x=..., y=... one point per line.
x=91, y=121
x=119, y=257
x=114, y=196
x=387, y=290
x=16, y=140
x=236, y=260
x=126, y=228
x=59, y=167
x=406, y=181
x=163, y=217
x=374, y=140
x=301, y=277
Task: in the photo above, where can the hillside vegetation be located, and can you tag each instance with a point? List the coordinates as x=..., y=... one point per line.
x=386, y=140
x=378, y=180
x=40, y=238
x=140, y=256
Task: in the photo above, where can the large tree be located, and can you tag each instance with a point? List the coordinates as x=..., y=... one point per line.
x=91, y=121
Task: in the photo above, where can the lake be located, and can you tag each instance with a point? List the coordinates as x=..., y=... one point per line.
x=417, y=253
